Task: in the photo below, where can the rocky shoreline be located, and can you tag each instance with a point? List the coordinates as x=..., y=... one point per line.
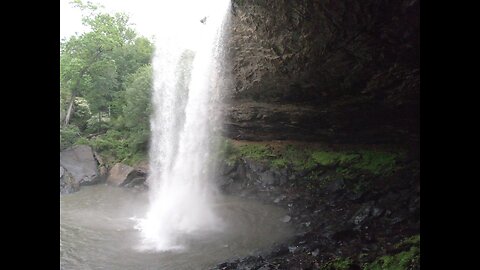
x=80, y=165
x=339, y=223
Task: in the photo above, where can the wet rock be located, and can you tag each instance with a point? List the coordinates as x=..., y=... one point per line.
x=326, y=222
x=376, y=212
x=279, y=198
x=286, y=219
x=241, y=171
x=102, y=166
x=279, y=251
x=281, y=179
x=224, y=182
x=140, y=187
x=126, y=176
x=80, y=162
x=292, y=249
x=67, y=182
x=136, y=178
x=355, y=196
x=267, y=178
x=414, y=205
x=390, y=198
x=227, y=168
x=362, y=214
x=255, y=166
x=336, y=185
x=396, y=220
x=343, y=232
x=135, y=181
x=118, y=174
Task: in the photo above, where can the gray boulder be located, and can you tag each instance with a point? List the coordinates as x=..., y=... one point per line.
x=80, y=162
x=67, y=182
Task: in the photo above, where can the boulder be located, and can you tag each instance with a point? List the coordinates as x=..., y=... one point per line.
x=126, y=176
x=136, y=178
x=80, y=162
x=267, y=178
x=118, y=174
x=67, y=182
x=102, y=166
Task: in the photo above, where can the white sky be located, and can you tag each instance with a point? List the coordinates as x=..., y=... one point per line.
x=140, y=12
x=146, y=15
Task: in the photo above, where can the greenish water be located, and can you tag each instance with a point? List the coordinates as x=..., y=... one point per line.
x=97, y=232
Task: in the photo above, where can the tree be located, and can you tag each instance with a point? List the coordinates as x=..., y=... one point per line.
x=136, y=112
x=105, y=86
x=94, y=65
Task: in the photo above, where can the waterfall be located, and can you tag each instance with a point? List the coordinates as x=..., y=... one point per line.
x=187, y=81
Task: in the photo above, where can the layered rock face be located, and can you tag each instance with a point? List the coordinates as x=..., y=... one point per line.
x=324, y=70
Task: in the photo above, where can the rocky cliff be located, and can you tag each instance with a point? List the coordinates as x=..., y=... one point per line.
x=342, y=70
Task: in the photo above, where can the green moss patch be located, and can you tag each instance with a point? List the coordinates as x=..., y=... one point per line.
x=338, y=264
x=377, y=162
x=410, y=241
x=256, y=152
x=399, y=261
x=306, y=158
x=407, y=259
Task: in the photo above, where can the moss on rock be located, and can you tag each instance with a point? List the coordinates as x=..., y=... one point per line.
x=307, y=158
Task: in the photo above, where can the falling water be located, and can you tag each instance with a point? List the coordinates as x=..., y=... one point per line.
x=188, y=77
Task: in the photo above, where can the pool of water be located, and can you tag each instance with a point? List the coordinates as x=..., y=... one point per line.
x=97, y=232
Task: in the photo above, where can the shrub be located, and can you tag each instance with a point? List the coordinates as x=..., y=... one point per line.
x=68, y=136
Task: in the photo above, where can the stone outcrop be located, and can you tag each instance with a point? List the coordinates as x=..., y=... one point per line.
x=126, y=176
x=316, y=70
x=79, y=161
x=67, y=182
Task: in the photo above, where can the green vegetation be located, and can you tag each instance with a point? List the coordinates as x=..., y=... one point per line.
x=408, y=258
x=410, y=241
x=376, y=162
x=227, y=151
x=399, y=261
x=68, y=136
x=105, y=84
x=301, y=158
x=257, y=152
x=332, y=158
x=403, y=260
x=338, y=264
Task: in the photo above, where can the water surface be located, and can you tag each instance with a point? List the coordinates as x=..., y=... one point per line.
x=97, y=232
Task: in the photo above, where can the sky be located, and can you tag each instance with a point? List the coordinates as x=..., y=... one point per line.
x=146, y=15
x=141, y=13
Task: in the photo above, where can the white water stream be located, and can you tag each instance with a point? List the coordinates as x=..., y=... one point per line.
x=187, y=82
